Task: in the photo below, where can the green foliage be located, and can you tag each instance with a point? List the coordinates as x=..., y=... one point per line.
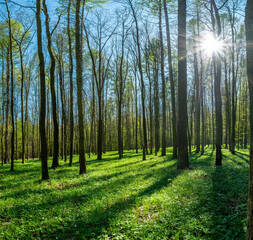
x=127, y=199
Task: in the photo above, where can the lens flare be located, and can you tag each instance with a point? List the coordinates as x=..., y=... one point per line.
x=211, y=45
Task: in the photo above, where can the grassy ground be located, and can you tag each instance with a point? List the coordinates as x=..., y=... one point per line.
x=127, y=199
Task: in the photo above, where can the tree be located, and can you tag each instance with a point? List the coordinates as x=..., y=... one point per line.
x=20, y=41
x=172, y=83
x=100, y=69
x=142, y=81
x=217, y=90
x=12, y=88
x=183, y=160
x=79, y=81
x=55, y=162
x=71, y=88
x=42, y=129
x=249, y=49
x=163, y=83
x=120, y=82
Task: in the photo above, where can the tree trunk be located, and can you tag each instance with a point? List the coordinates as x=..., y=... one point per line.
x=63, y=101
x=79, y=80
x=22, y=103
x=183, y=160
x=55, y=162
x=156, y=108
x=172, y=83
x=228, y=116
x=43, y=140
x=12, y=90
x=249, y=50
x=142, y=85
x=6, y=155
x=163, y=83
x=119, y=129
x=71, y=89
x=217, y=92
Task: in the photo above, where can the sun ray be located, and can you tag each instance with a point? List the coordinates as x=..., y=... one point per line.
x=211, y=45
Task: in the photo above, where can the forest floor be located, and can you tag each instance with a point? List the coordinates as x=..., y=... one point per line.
x=127, y=199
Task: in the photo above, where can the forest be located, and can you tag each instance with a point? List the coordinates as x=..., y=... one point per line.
x=126, y=119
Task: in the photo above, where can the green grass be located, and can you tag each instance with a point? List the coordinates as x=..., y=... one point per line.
x=127, y=199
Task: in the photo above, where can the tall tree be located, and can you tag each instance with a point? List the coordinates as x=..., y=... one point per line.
x=121, y=83
x=12, y=88
x=142, y=81
x=172, y=83
x=163, y=83
x=42, y=129
x=183, y=160
x=19, y=43
x=71, y=88
x=217, y=87
x=249, y=49
x=79, y=81
x=55, y=162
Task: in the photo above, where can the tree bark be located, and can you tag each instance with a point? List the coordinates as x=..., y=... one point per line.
x=217, y=91
x=71, y=140
x=172, y=83
x=142, y=84
x=6, y=153
x=249, y=50
x=12, y=89
x=43, y=140
x=163, y=83
x=79, y=80
x=183, y=160
x=55, y=162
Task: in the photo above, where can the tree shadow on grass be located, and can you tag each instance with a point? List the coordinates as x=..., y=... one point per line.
x=101, y=219
x=227, y=203
x=243, y=156
x=93, y=224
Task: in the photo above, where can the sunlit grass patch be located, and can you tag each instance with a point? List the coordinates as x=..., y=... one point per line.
x=127, y=199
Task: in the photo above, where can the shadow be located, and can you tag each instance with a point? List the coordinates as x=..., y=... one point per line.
x=243, y=156
x=86, y=207
x=226, y=204
x=100, y=219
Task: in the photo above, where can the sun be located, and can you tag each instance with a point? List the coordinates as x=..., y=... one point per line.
x=211, y=45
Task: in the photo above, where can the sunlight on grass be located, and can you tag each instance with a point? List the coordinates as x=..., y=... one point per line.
x=127, y=199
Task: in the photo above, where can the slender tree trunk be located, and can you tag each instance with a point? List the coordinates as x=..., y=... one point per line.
x=22, y=103
x=151, y=118
x=163, y=83
x=2, y=128
x=202, y=90
x=142, y=85
x=213, y=119
x=63, y=100
x=156, y=108
x=136, y=114
x=249, y=50
x=43, y=140
x=100, y=128
x=246, y=120
x=79, y=79
x=197, y=103
x=55, y=162
x=232, y=148
x=119, y=129
x=228, y=116
x=183, y=160
x=217, y=92
x=6, y=155
x=172, y=83
x=71, y=89
x=12, y=90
